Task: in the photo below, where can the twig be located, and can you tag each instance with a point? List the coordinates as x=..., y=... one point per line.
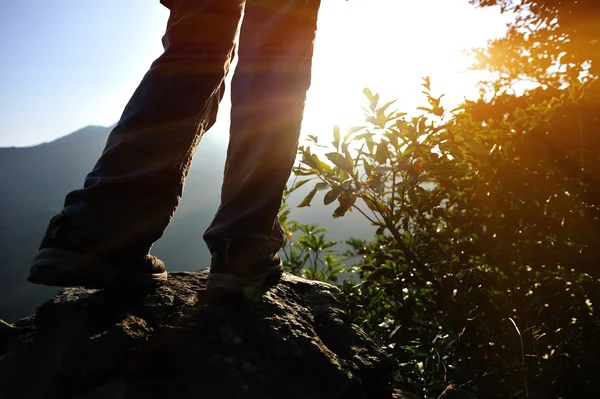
x=522, y=356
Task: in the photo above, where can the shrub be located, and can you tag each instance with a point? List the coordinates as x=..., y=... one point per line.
x=483, y=267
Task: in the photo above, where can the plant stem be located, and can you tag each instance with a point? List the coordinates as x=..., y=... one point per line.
x=522, y=356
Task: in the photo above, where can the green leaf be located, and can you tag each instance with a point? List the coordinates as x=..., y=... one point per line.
x=364, y=136
x=306, y=201
x=445, y=146
x=477, y=149
x=368, y=168
x=422, y=125
x=346, y=201
x=333, y=194
x=349, y=132
x=303, y=172
x=392, y=137
x=373, y=98
x=376, y=205
x=384, y=108
x=382, y=120
x=349, y=159
x=444, y=172
x=376, y=298
x=340, y=161
x=321, y=186
x=370, y=144
x=300, y=184
x=376, y=185
x=456, y=151
x=323, y=166
x=373, y=102
x=409, y=149
x=381, y=155
x=336, y=137
x=309, y=159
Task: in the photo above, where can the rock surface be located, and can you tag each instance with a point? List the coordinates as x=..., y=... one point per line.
x=297, y=342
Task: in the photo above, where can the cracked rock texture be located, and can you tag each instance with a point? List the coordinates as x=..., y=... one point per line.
x=297, y=342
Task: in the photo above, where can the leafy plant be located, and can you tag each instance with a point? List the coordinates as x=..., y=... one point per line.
x=306, y=252
x=481, y=231
x=549, y=43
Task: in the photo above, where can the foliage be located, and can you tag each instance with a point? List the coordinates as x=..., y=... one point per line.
x=551, y=42
x=483, y=268
x=306, y=252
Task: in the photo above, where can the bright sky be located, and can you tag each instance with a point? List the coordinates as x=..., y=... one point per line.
x=67, y=64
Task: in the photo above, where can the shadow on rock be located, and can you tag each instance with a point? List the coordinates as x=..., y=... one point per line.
x=297, y=342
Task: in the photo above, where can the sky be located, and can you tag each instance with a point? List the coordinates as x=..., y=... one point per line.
x=66, y=64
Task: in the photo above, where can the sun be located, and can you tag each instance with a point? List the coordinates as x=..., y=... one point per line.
x=388, y=46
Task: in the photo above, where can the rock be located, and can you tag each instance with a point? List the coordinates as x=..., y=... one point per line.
x=297, y=342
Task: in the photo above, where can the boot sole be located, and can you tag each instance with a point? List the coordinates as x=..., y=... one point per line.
x=60, y=268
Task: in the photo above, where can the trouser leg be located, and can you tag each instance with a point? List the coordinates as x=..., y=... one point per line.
x=131, y=194
x=268, y=94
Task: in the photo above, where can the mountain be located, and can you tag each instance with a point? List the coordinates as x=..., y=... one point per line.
x=34, y=181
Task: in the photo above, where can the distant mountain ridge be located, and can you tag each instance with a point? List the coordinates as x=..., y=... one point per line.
x=34, y=181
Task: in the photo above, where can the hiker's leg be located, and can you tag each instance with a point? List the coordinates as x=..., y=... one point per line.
x=268, y=94
x=131, y=194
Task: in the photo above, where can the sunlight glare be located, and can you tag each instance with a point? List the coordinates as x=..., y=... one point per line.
x=388, y=46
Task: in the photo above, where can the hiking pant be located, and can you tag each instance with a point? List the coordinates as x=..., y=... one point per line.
x=131, y=194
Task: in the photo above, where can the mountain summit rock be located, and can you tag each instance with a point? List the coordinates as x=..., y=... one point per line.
x=297, y=342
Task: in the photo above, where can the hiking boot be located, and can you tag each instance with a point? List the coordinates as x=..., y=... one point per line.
x=243, y=267
x=70, y=257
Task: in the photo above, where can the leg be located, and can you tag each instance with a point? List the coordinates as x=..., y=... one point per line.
x=131, y=194
x=106, y=229
x=268, y=94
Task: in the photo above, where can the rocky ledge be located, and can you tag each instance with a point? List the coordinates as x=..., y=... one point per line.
x=297, y=342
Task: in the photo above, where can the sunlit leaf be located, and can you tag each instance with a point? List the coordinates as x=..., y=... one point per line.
x=300, y=184
x=477, y=149
x=306, y=201
x=336, y=137
x=381, y=155
x=340, y=161
x=321, y=186
x=384, y=107
x=427, y=83
x=355, y=129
